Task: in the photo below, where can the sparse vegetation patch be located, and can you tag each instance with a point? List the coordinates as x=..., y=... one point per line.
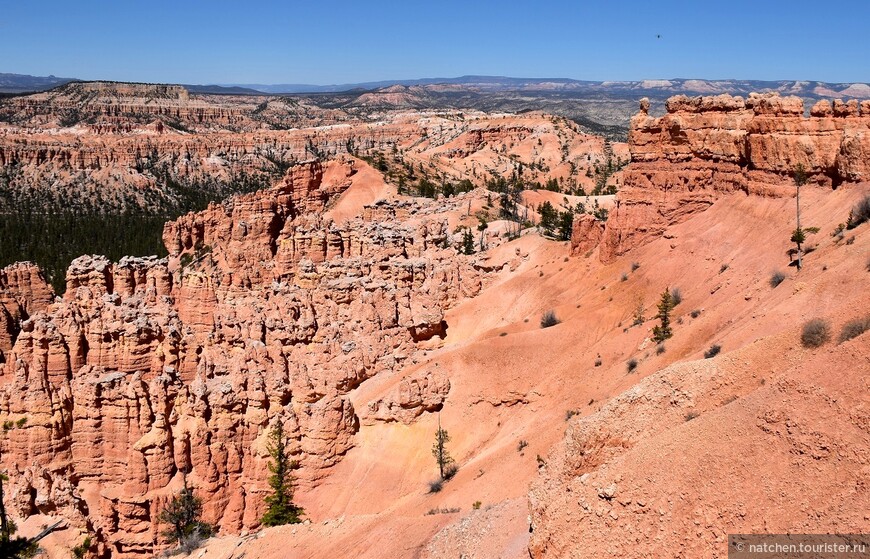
x=443, y=511
x=549, y=319
x=815, y=333
x=854, y=328
x=776, y=278
x=860, y=213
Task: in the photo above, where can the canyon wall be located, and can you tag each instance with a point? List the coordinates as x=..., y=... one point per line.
x=149, y=370
x=23, y=292
x=708, y=146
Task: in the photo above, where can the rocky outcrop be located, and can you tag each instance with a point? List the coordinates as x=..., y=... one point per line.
x=414, y=395
x=149, y=370
x=586, y=233
x=705, y=147
x=23, y=292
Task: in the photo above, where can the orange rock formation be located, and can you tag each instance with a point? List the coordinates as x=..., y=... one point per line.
x=705, y=147
x=150, y=368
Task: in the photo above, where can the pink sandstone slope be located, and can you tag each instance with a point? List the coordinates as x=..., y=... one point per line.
x=519, y=387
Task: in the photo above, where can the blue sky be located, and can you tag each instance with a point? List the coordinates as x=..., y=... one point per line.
x=327, y=42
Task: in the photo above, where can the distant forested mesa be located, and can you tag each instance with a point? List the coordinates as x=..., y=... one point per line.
x=52, y=227
x=53, y=240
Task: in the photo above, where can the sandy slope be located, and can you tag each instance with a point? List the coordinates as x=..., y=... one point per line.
x=512, y=381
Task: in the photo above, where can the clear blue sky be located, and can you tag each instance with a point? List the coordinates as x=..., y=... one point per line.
x=327, y=42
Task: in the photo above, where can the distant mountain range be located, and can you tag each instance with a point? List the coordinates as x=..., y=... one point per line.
x=651, y=88
x=23, y=83
x=18, y=83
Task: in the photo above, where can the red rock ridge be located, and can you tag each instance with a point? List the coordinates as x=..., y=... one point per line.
x=706, y=146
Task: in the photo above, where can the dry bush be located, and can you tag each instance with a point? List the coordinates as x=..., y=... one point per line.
x=548, y=319
x=776, y=278
x=815, y=333
x=854, y=328
x=860, y=213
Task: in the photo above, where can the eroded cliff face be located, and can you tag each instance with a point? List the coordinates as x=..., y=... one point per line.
x=23, y=292
x=264, y=310
x=708, y=146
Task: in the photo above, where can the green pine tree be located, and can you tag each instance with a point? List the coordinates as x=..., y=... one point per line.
x=666, y=305
x=467, y=242
x=549, y=215
x=281, y=508
x=439, y=451
x=566, y=225
x=183, y=516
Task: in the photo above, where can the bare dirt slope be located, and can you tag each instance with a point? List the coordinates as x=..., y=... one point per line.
x=794, y=431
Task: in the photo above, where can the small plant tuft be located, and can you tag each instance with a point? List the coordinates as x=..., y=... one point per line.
x=631, y=365
x=598, y=362
x=722, y=268
x=623, y=277
x=442, y=511
x=860, y=213
x=815, y=333
x=713, y=351
x=476, y=505
x=521, y=445
x=571, y=413
x=548, y=319
x=695, y=313
x=676, y=297
x=190, y=543
x=691, y=415
x=638, y=313
x=436, y=485
x=635, y=266
x=854, y=328
x=450, y=471
x=660, y=349
x=776, y=278
x=80, y=551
